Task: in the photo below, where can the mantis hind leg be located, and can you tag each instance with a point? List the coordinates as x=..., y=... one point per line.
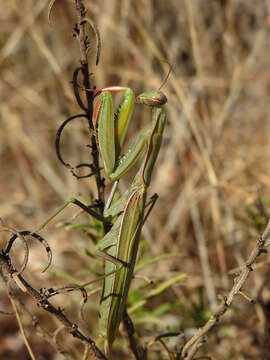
x=87, y=208
x=151, y=202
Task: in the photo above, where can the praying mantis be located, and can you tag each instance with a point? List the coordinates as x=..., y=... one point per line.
x=120, y=244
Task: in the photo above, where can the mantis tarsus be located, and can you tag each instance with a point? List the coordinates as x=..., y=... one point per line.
x=121, y=242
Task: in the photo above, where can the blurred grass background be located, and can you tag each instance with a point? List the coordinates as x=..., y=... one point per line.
x=212, y=173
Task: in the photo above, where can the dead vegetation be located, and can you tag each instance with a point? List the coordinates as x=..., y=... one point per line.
x=212, y=174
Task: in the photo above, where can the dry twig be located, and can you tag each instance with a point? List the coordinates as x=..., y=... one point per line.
x=191, y=347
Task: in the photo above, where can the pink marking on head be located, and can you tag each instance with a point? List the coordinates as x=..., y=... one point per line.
x=114, y=88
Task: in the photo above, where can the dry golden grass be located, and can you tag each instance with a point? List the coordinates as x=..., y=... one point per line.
x=212, y=171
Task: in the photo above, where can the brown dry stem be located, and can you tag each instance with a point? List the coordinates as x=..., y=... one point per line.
x=191, y=347
x=6, y=271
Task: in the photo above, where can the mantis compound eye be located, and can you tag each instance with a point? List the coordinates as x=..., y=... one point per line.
x=152, y=98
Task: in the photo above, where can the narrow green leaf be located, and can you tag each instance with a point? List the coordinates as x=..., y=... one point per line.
x=64, y=275
x=149, y=261
x=158, y=290
x=165, y=285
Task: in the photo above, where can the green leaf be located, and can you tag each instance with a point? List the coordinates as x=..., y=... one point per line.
x=149, y=261
x=64, y=275
x=165, y=285
x=158, y=290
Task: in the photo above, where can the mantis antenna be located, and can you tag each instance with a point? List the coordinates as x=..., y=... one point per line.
x=167, y=76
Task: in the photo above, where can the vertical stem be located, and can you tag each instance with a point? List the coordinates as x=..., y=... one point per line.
x=83, y=44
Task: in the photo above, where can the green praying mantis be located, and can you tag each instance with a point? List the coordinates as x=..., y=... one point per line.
x=120, y=244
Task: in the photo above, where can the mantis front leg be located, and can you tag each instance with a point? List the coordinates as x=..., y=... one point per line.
x=111, y=129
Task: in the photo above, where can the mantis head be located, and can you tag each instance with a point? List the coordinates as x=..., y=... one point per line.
x=152, y=98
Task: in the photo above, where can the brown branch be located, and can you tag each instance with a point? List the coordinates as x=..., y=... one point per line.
x=43, y=333
x=7, y=270
x=191, y=346
x=82, y=23
x=138, y=351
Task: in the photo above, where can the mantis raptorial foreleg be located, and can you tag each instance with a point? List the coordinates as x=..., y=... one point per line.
x=111, y=129
x=122, y=242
